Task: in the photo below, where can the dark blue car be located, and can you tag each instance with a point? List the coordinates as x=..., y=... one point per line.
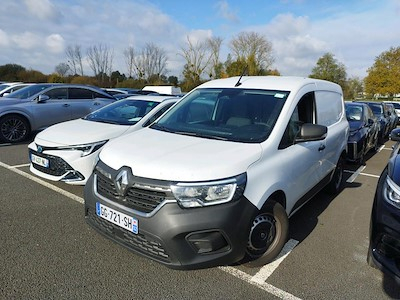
x=364, y=131
x=381, y=112
x=384, y=243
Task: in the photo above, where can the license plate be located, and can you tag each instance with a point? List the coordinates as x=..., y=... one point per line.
x=41, y=161
x=118, y=218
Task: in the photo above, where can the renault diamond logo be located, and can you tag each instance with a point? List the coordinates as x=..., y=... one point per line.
x=121, y=182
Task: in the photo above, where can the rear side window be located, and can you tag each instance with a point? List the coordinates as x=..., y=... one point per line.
x=78, y=93
x=329, y=107
x=57, y=93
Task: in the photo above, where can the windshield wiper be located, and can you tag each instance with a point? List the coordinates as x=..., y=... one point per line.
x=197, y=134
x=160, y=127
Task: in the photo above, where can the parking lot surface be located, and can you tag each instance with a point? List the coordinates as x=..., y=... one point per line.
x=49, y=252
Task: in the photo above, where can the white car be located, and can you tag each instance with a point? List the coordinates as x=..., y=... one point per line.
x=216, y=178
x=68, y=151
x=12, y=88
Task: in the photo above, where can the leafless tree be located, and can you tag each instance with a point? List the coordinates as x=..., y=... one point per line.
x=254, y=49
x=197, y=57
x=62, y=69
x=74, y=59
x=129, y=54
x=150, y=61
x=215, y=66
x=100, y=58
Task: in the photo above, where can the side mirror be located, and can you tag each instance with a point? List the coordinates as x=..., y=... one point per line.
x=370, y=122
x=5, y=94
x=311, y=132
x=42, y=98
x=395, y=135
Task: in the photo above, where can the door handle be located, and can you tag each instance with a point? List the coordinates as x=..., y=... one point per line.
x=96, y=103
x=65, y=105
x=321, y=147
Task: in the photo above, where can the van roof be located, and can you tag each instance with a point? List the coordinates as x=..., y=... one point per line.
x=284, y=83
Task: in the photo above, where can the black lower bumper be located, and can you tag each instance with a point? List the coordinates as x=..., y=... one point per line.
x=181, y=238
x=385, y=233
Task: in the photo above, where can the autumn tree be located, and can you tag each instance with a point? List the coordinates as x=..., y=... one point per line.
x=74, y=59
x=384, y=76
x=329, y=68
x=250, y=51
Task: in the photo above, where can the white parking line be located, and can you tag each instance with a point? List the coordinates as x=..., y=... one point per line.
x=355, y=174
x=42, y=182
x=257, y=280
x=268, y=269
x=281, y=294
x=19, y=166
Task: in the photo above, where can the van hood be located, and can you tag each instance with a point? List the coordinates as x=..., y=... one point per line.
x=77, y=132
x=167, y=156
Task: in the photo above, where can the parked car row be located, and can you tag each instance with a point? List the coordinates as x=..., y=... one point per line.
x=370, y=125
x=38, y=106
x=213, y=178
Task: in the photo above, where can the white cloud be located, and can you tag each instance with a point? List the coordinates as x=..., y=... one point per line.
x=197, y=36
x=55, y=43
x=226, y=12
x=43, y=9
x=4, y=40
x=26, y=40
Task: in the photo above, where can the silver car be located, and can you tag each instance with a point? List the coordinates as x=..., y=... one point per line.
x=38, y=106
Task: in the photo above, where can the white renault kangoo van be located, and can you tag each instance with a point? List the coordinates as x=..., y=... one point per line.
x=215, y=179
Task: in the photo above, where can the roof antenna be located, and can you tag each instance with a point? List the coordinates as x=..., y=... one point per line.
x=240, y=78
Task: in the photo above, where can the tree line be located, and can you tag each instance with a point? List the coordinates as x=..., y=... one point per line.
x=250, y=54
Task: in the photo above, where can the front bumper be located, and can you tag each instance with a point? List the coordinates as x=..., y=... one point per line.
x=64, y=165
x=176, y=237
x=385, y=233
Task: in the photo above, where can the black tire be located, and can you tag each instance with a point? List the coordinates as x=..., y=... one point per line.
x=336, y=184
x=13, y=129
x=268, y=234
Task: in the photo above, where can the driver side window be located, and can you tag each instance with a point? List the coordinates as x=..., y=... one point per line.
x=303, y=113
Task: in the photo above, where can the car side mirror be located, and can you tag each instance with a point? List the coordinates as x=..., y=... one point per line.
x=311, y=132
x=370, y=122
x=395, y=135
x=42, y=98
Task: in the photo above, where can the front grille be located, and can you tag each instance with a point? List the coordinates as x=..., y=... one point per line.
x=139, y=199
x=57, y=166
x=138, y=242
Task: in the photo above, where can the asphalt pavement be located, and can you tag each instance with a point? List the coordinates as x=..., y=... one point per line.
x=47, y=251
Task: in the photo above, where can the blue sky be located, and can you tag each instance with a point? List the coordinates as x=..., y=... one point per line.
x=35, y=33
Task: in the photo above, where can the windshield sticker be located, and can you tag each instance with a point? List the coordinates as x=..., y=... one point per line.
x=278, y=95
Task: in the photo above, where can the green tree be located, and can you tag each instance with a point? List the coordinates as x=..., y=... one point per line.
x=11, y=72
x=384, y=76
x=354, y=88
x=328, y=68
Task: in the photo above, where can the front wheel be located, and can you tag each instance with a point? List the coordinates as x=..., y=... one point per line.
x=268, y=234
x=13, y=129
x=336, y=183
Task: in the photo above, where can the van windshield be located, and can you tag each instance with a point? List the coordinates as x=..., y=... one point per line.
x=231, y=114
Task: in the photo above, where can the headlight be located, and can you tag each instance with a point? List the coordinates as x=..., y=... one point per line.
x=392, y=192
x=85, y=148
x=209, y=193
